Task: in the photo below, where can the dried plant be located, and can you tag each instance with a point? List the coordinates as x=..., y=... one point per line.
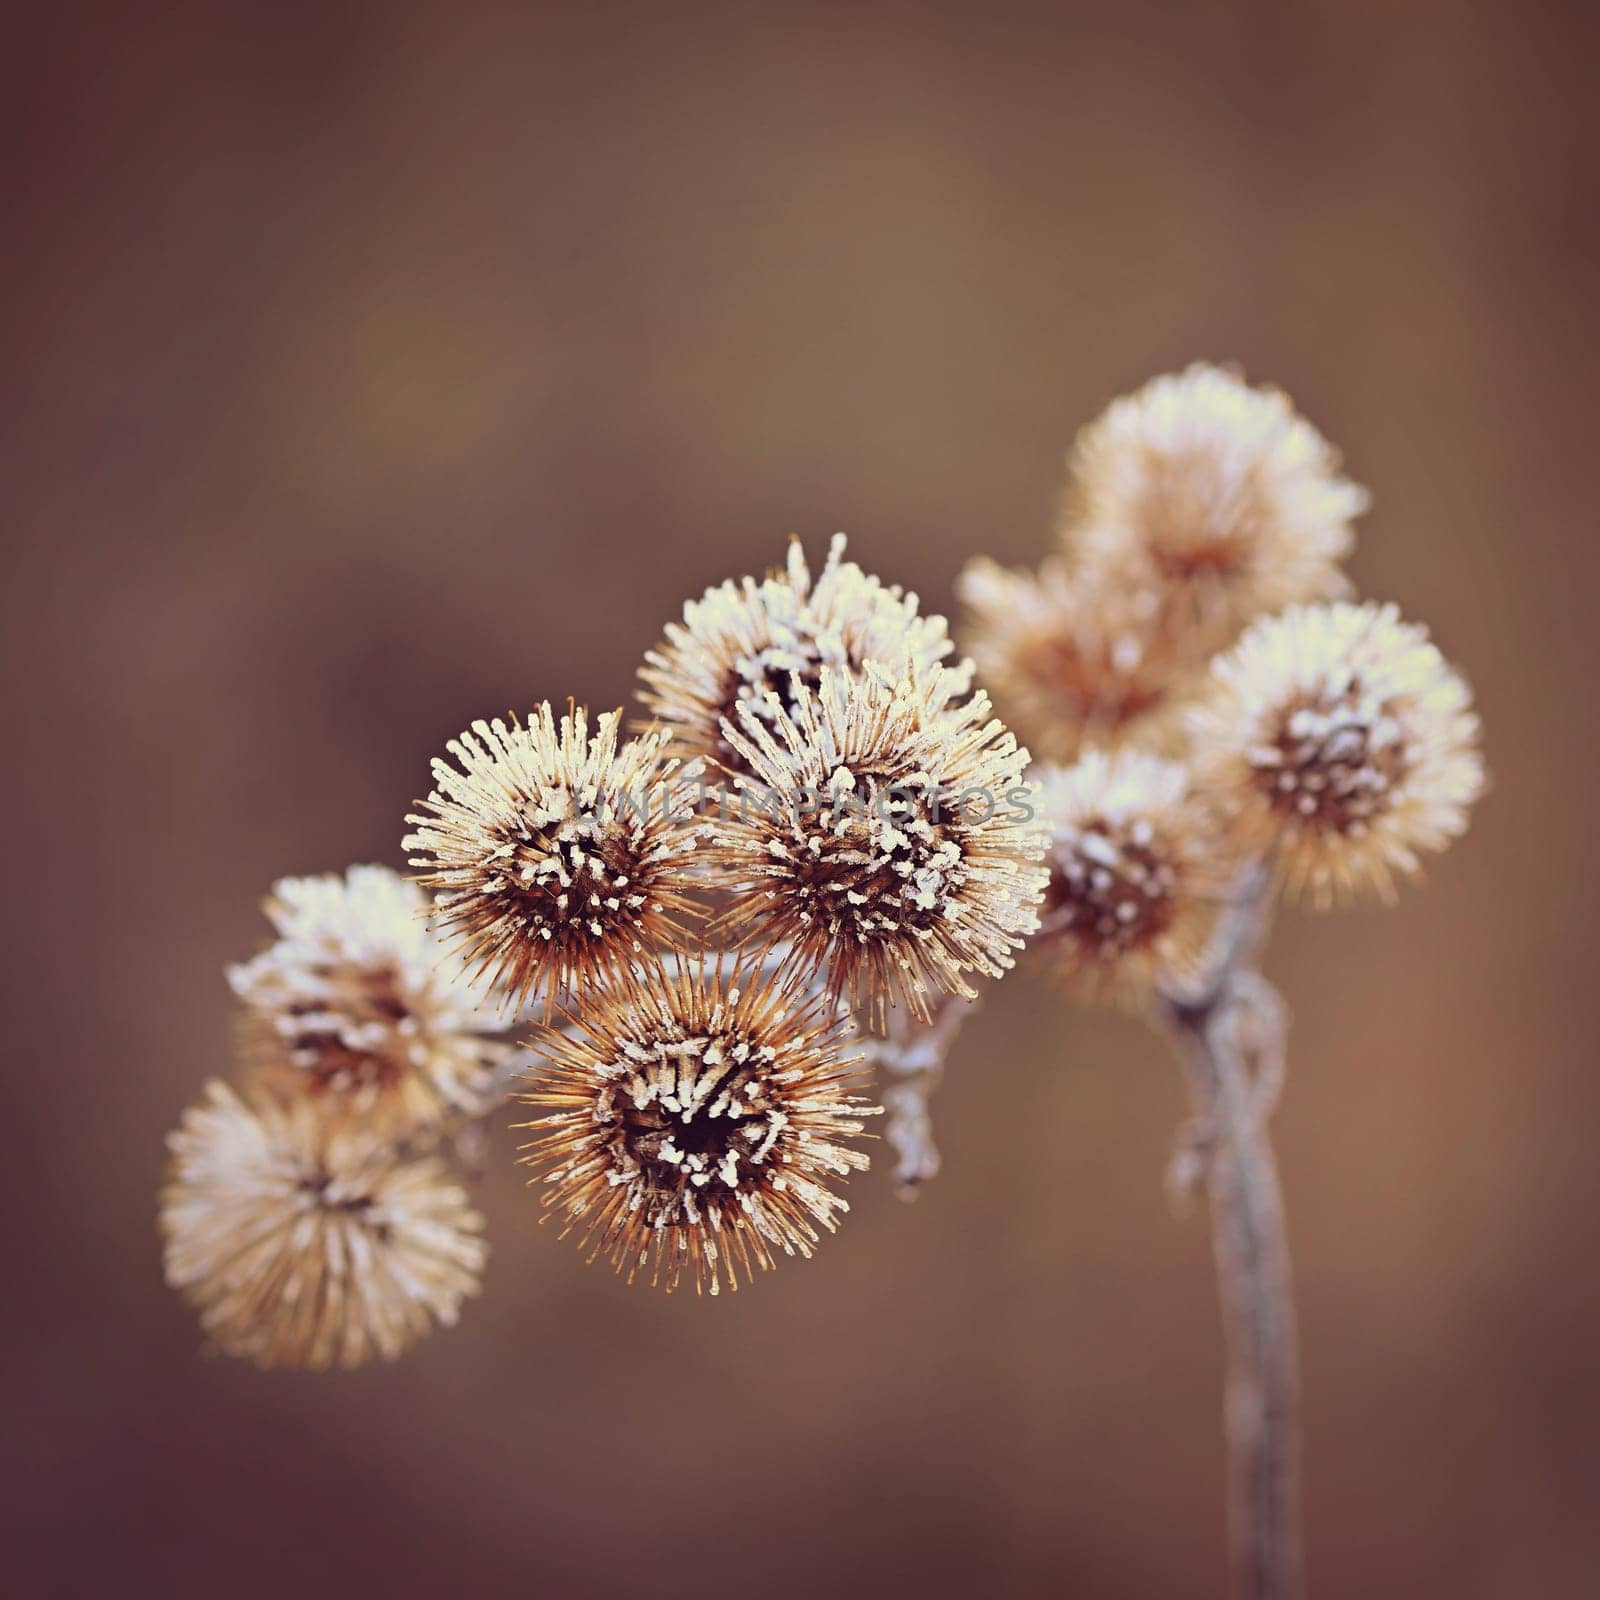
x=1138, y=871
x=743, y=647
x=1344, y=745
x=307, y=1242
x=554, y=855
x=1218, y=499
x=891, y=843
x=359, y=1004
x=1074, y=665
x=716, y=969
x=698, y=1120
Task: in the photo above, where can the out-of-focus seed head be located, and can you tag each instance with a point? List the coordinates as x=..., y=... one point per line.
x=1137, y=872
x=1073, y=664
x=1217, y=495
x=1339, y=738
x=310, y=1243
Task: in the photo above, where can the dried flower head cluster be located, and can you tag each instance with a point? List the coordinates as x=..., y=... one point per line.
x=299, y=1216
x=1192, y=506
x=1331, y=735
x=1137, y=872
x=1342, y=741
x=743, y=643
x=359, y=1003
x=554, y=854
x=885, y=834
x=1217, y=496
x=696, y=1122
x=700, y=1117
x=879, y=842
x=305, y=1242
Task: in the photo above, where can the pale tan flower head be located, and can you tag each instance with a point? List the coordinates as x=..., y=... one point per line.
x=360, y=1006
x=553, y=855
x=1137, y=875
x=1218, y=494
x=1339, y=737
x=1070, y=663
x=884, y=832
x=741, y=643
x=697, y=1120
x=305, y=1242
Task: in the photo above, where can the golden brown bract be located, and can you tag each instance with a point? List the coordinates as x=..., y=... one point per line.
x=554, y=856
x=696, y=1120
x=885, y=832
x=1340, y=739
x=306, y=1243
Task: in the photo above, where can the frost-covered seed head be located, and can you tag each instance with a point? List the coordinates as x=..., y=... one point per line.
x=697, y=1120
x=887, y=833
x=1338, y=737
x=555, y=856
x=308, y=1243
x=1072, y=664
x=1136, y=875
x=359, y=1004
x=743, y=643
x=1217, y=494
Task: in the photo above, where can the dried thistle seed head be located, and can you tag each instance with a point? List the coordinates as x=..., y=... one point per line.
x=885, y=833
x=1340, y=737
x=1071, y=663
x=741, y=643
x=553, y=855
x=359, y=1005
x=1137, y=872
x=305, y=1242
x=696, y=1121
x=1220, y=494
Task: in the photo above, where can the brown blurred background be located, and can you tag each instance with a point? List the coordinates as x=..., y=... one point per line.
x=368, y=372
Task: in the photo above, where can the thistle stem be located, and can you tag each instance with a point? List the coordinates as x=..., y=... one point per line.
x=1234, y=1025
x=910, y=1062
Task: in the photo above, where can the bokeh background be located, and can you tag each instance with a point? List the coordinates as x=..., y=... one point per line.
x=371, y=369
